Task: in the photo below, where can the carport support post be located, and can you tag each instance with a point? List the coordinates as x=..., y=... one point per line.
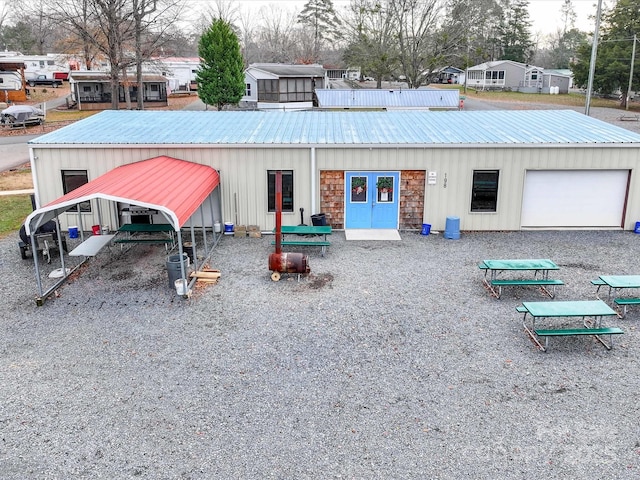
x=193, y=247
x=60, y=246
x=213, y=218
x=204, y=230
x=99, y=210
x=34, y=254
x=80, y=227
x=181, y=253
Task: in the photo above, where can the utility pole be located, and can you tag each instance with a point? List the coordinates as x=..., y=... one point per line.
x=633, y=58
x=592, y=65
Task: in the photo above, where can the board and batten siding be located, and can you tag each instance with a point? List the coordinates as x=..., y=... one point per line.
x=244, y=185
x=243, y=177
x=451, y=195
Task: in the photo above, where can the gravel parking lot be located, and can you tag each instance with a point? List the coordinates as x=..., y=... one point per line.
x=388, y=361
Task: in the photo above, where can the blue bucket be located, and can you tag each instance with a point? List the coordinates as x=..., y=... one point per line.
x=637, y=229
x=73, y=232
x=228, y=227
x=426, y=229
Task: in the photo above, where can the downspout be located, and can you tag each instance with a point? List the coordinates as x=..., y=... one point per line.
x=34, y=176
x=314, y=187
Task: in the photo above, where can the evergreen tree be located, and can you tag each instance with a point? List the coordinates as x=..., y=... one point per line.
x=515, y=37
x=612, y=69
x=221, y=74
x=321, y=17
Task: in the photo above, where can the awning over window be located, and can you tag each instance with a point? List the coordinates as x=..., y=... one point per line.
x=174, y=187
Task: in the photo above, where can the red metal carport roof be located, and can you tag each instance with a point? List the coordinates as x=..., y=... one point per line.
x=175, y=187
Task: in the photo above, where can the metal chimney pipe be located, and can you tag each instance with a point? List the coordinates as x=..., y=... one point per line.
x=279, y=211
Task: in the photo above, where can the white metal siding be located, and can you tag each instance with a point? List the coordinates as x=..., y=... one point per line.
x=574, y=198
x=243, y=175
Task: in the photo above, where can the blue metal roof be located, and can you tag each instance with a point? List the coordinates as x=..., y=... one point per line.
x=378, y=98
x=396, y=128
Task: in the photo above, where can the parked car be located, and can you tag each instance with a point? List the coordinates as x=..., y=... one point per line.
x=43, y=80
x=21, y=116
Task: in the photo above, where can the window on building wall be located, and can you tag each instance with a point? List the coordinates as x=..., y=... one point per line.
x=268, y=90
x=285, y=90
x=287, y=190
x=247, y=90
x=484, y=191
x=72, y=179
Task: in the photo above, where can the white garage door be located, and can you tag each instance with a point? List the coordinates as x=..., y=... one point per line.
x=574, y=198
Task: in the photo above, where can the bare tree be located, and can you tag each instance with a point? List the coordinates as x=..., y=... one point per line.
x=276, y=36
x=226, y=10
x=106, y=25
x=247, y=35
x=114, y=28
x=152, y=19
x=373, y=31
x=417, y=22
x=4, y=12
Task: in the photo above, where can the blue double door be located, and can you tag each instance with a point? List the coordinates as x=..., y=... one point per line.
x=372, y=199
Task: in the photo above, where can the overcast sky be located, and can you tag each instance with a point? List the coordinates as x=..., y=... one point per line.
x=544, y=14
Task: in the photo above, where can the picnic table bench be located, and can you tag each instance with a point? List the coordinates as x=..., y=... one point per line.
x=316, y=236
x=492, y=268
x=138, y=233
x=618, y=284
x=595, y=309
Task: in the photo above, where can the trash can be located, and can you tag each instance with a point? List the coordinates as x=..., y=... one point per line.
x=187, y=247
x=174, y=268
x=319, y=220
x=426, y=229
x=452, y=228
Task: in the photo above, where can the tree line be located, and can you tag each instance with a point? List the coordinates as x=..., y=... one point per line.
x=386, y=39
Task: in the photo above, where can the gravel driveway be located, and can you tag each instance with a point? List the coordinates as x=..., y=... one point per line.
x=390, y=361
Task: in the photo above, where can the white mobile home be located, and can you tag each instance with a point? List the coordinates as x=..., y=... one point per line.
x=53, y=65
x=180, y=72
x=275, y=86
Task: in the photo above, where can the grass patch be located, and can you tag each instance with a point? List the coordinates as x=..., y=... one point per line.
x=15, y=209
x=68, y=115
x=18, y=179
x=570, y=99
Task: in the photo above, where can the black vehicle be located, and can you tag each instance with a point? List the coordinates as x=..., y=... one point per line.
x=43, y=80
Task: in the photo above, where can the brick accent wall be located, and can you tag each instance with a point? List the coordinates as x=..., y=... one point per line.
x=411, y=198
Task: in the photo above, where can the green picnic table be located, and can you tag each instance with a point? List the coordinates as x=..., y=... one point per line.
x=494, y=268
x=139, y=233
x=594, y=310
x=618, y=284
x=315, y=236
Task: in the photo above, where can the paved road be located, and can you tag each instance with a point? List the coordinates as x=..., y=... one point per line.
x=14, y=151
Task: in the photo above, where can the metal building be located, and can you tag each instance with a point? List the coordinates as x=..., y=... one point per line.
x=495, y=170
